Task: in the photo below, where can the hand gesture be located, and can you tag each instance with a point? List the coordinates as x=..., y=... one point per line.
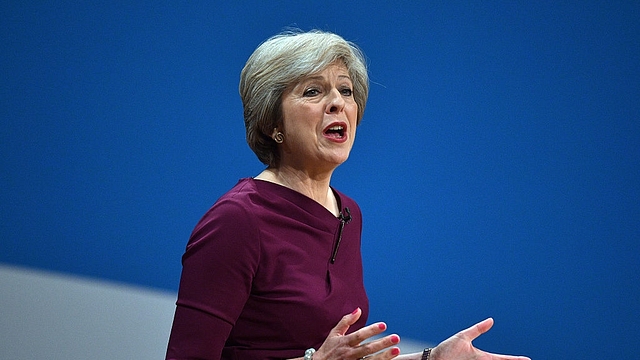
x=459, y=347
x=350, y=347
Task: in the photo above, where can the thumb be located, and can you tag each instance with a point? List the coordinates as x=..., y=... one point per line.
x=346, y=321
x=476, y=330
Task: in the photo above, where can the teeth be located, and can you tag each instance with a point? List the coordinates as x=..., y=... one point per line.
x=336, y=128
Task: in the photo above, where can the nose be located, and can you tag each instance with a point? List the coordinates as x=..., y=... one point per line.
x=336, y=102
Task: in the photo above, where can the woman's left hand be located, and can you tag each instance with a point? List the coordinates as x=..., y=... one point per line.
x=459, y=347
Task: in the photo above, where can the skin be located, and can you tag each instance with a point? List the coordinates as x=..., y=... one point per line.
x=309, y=154
x=457, y=347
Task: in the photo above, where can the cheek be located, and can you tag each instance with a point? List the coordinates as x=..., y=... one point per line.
x=352, y=115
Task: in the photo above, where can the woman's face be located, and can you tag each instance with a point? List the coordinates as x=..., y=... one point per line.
x=319, y=120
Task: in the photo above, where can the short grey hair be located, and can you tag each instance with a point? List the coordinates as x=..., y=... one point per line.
x=282, y=61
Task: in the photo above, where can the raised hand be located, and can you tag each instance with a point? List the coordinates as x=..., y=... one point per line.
x=459, y=346
x=338, y=345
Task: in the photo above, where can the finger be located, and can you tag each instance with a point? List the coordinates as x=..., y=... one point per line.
x=365, y=333
x=476, y=330
x=385, y=355
x=505, y=357
x=373, y=347
x=346, y=321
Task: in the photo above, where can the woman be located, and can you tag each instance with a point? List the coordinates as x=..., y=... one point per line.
x=273, y=270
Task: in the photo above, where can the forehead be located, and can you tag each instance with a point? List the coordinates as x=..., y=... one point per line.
x=336, y=69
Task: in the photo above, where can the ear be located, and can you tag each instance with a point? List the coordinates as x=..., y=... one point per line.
x=277, y=136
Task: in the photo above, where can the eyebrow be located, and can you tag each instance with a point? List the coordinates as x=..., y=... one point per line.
x=319, y=77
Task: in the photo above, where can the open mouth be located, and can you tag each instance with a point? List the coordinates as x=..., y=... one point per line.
x=335, y=132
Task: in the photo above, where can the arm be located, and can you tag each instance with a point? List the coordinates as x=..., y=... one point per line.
x=218, y=267
x=196, y=335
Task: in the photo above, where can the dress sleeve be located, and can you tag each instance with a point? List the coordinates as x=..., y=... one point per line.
x=217, y=272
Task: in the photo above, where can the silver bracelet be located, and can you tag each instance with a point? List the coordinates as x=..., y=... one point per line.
x=425, y=354
x=308, y=354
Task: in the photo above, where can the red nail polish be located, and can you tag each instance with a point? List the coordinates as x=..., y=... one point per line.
x=355, y=311
x=382, y=326
x=395, y=351
x=395, y=339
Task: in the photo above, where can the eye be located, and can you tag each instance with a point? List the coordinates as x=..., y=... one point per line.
x=346, y=92
x=311, y=92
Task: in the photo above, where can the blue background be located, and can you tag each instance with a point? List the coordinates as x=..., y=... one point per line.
x=497, y=165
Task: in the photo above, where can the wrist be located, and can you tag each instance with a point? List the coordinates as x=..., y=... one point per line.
x=426, y=354
x=308, y=354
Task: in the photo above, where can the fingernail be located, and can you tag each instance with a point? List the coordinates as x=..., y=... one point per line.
x=395, y=351
x=355, y=311
x=395, y=339
x=382, y=326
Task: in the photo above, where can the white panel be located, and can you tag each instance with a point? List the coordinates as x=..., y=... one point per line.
x=49, y=316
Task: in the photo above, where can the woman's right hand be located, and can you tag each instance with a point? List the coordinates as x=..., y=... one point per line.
x=338, y=345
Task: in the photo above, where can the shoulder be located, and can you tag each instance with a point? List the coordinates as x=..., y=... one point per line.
x=232, y=216
x=346, y=201
x=232, y=203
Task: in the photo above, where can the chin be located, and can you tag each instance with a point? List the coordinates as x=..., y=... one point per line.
x=341, y=160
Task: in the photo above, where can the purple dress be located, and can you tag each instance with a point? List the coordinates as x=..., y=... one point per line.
x=258, y=280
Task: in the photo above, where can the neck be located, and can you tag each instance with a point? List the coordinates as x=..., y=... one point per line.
x=315, y=187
